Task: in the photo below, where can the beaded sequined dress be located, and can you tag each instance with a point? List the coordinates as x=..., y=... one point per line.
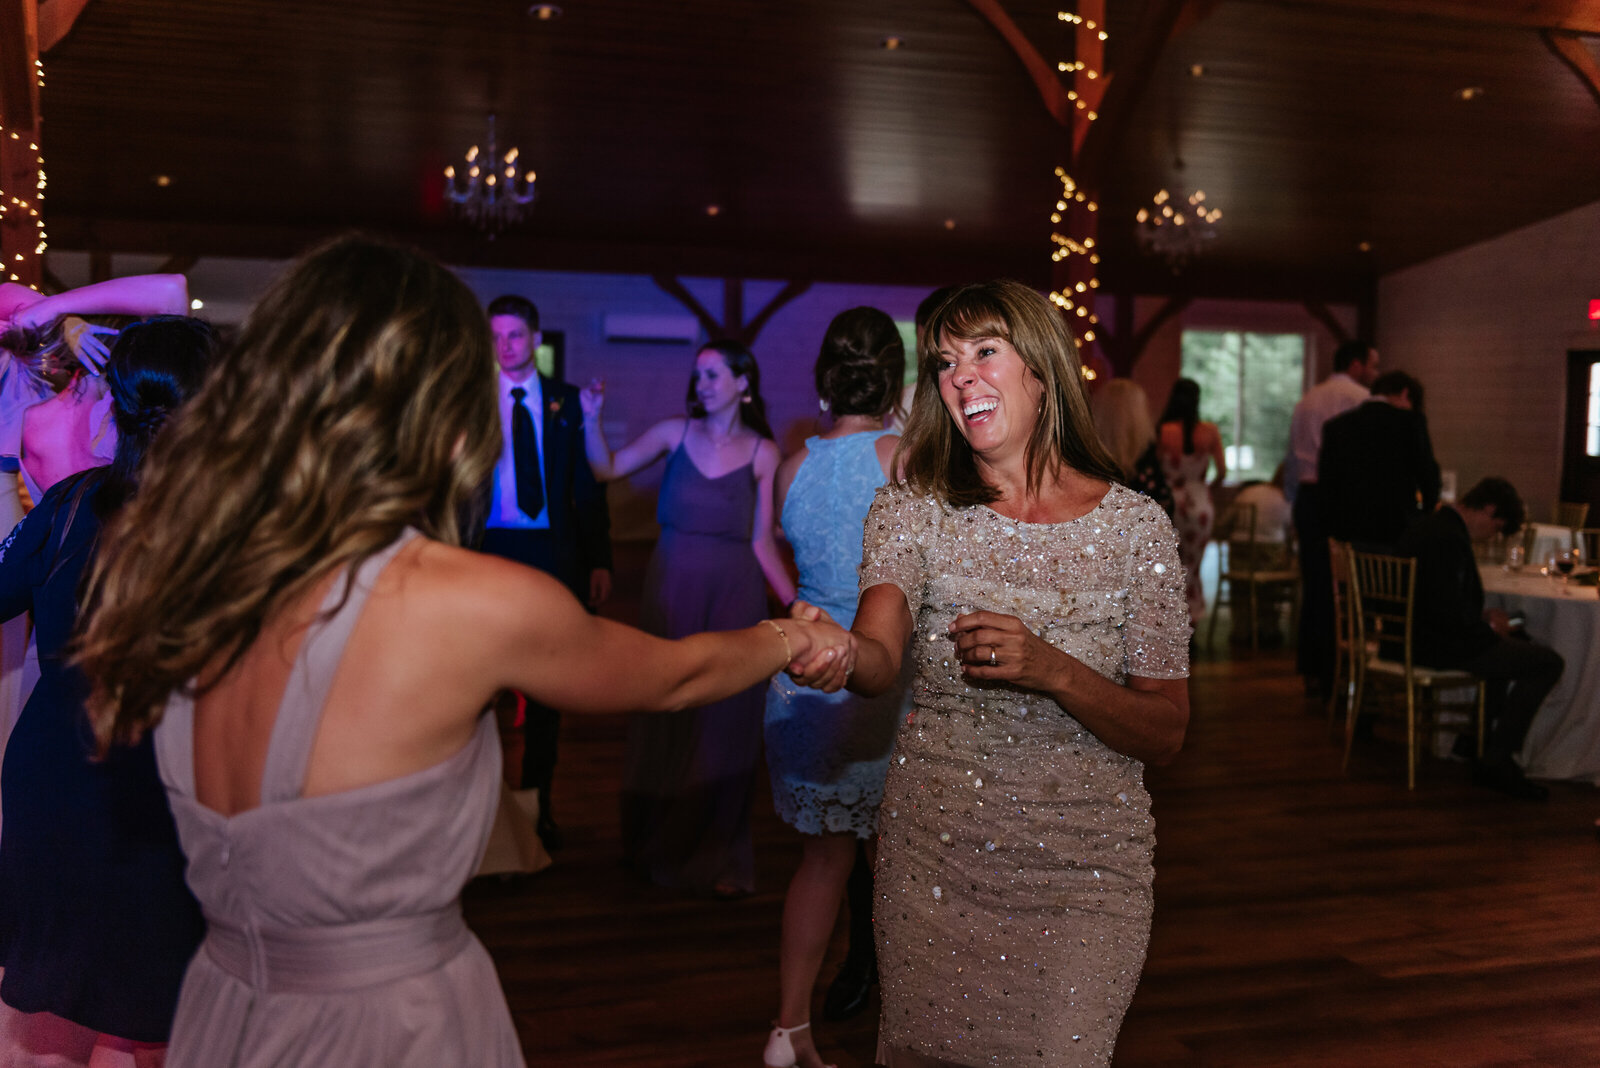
x=1014, y=865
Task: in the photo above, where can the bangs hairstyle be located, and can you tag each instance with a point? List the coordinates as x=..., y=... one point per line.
x=938, y=459
x=359, y=400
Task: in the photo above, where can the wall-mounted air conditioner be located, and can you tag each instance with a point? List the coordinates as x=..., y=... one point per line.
x=683, y=329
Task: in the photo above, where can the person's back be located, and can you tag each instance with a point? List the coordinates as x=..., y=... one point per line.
x=68, y=433
x=824, y=511
x=1376, y=469
x=330, y=882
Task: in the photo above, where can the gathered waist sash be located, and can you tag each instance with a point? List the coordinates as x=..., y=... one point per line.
x=315, y=960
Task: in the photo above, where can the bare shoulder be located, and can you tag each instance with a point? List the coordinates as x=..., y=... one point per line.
x=441, y=587
x=767, y=457
x=884, y=447
x=791, y=464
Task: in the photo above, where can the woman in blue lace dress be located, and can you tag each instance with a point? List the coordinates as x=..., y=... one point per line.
x=827, y=752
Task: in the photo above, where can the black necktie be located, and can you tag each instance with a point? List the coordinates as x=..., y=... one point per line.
x=525, y=454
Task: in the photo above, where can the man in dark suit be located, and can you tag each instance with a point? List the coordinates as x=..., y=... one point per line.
x=1376, y=470
x=545, y=508
x=1450, y=628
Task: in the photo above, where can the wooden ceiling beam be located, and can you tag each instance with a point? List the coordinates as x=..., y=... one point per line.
x=1159, y=22
x=1571, y=50
x=19, y=92
x=56, y=18
x=1045, y=79
x=1573, y=16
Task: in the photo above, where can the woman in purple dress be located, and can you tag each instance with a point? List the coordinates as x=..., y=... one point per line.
x=689, y=778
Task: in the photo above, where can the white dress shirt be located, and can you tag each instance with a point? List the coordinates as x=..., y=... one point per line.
x=1335, y=395
x=503, y=510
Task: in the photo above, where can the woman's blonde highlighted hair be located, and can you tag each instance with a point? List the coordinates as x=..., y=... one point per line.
x=937, y=458
x=1122, y=419
x=359, y=400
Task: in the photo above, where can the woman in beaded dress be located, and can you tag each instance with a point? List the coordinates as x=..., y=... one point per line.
x=827, y=752
x=1043, y=605
x=689, y=779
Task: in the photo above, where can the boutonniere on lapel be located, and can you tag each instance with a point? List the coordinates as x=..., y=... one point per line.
x=555, y=405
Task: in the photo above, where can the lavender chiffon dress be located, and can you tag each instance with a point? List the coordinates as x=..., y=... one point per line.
x=334, y=931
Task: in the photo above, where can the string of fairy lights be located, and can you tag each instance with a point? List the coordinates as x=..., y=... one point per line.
x=1077, y=299
x=13, y=206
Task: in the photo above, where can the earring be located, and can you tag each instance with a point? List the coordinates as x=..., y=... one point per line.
x=745, y=399
x=823, y=404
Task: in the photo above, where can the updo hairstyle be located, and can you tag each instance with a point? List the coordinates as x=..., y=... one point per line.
x=862, y=363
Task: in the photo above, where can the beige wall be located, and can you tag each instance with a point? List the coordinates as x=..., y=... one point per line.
x=1487, y=329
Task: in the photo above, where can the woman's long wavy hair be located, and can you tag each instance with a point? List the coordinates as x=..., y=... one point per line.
x=937, y=457
x=359, y=400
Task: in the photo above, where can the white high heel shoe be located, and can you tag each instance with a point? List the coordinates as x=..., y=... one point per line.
x=780, y=1051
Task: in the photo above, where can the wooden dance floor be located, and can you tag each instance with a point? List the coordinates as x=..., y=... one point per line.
x=1302, y=917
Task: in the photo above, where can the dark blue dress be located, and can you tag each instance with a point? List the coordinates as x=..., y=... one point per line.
x=689, y=777
x=96, y=924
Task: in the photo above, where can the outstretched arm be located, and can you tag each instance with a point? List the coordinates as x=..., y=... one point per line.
x=544, y=644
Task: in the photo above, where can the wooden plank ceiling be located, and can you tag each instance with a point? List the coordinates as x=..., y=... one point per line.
x=1315, y=125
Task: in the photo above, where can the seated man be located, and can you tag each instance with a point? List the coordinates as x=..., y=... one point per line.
x=1452, y=630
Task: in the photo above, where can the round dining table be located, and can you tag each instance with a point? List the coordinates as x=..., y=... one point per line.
x=1564, y=740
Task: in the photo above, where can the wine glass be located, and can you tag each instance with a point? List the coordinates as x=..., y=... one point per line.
x=1566, y=561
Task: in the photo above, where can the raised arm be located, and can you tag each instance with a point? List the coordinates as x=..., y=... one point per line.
x=762, y=542
x=138, y=294
x=641, y=451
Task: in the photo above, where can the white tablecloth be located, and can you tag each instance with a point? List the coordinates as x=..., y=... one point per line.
x=1564, y=740
x=1548, y=538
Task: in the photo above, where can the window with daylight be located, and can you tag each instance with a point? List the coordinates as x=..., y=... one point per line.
x=1249, y=384
x=1592, y=427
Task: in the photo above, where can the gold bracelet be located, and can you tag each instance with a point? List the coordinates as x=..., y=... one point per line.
x=788, y=652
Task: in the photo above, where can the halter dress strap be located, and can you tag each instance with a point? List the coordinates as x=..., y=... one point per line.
x=300, y=711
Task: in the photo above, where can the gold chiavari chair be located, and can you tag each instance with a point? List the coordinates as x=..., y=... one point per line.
x=1344, y=626
x=1383, y=603
x=1252, y=567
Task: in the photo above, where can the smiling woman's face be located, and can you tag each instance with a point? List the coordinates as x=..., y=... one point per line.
x=990, y=394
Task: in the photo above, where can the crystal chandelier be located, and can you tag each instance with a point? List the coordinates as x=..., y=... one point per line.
x=489, y=197
x=1176, y=227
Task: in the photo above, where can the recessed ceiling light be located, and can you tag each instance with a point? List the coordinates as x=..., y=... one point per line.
x=545, y=12
x=162, y=180
x=1365, y=246
x=713, y=210
x=892, y=43
x=1471, y=92
x=1196, y=70
x=196, y=304
x=949, y=224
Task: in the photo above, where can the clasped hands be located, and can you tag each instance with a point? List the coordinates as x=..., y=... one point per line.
x=989, y=645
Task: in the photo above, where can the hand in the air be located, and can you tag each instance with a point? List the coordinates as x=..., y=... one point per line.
x=829, y=664
x=83, y=338
x=991, y=645
x=592, y=398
